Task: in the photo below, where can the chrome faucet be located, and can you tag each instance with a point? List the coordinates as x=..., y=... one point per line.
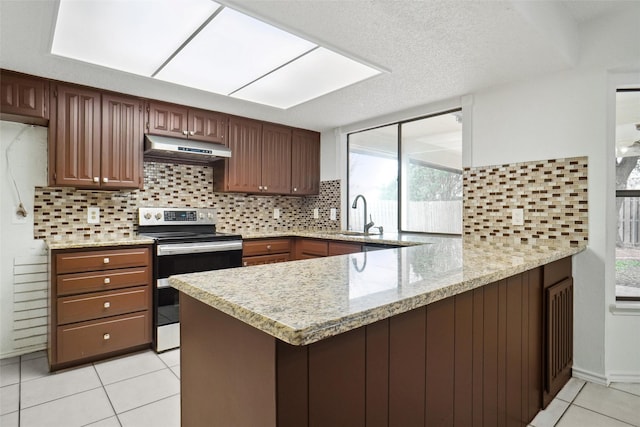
x=367, y=225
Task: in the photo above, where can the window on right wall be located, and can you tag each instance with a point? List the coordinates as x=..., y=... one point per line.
x=628, y=194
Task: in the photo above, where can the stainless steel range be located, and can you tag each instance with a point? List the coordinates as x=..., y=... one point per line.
x=186, y=241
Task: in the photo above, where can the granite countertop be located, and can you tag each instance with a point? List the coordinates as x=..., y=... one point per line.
x=301, y=302
x=96, y=242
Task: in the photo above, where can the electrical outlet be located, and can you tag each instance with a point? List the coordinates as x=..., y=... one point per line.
x=316, y=215
x=93, y=215
x=17, y=218
x=517, y=216
x=333, y=214
x=276, y=213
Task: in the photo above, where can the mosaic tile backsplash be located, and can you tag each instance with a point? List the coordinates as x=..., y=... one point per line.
x=552, y=193
x=61, y=212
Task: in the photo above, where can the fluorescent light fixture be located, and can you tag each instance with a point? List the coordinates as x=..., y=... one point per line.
x=132, y=36
x=233, y=50
x=310, y=76
x=203, y=45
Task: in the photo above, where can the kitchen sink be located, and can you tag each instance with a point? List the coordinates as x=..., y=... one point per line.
x=355, y=234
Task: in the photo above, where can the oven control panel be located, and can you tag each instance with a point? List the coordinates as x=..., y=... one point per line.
x=176, y=216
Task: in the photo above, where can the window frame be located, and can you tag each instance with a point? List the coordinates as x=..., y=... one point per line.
x=400, y=169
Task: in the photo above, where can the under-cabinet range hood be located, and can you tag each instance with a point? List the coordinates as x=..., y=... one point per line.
x=176, y=150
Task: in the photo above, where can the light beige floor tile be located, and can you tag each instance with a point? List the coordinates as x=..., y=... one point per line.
x=9, y=374
x=9, y=398
x=581, y=417
x=34, y=368
x=10, y=420
x=176, y=370
x=551, y=414
x=34, y=355
x=123, y=368
x=76, y=410
x=571, y=389
x=10, y=360
x=109, y=422
x=633, y=388
x=135, y=392
x=171, y=358
x=607, y=401
x=57, y=385
x=165, y=412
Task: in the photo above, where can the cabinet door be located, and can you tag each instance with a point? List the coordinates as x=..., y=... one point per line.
x=244, y=172
x=121, y=142
x=276, y=159
x=208, y=126
x=76, y=137
x=24, y=97
x=167, y=120
x=305, y=162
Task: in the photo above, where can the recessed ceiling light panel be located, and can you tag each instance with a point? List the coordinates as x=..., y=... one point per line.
x=133, y=36
x=231, y=51
x=313, y=75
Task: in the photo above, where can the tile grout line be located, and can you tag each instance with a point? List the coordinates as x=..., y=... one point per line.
x=146, y=404
x=107, y=394
x=600, y=413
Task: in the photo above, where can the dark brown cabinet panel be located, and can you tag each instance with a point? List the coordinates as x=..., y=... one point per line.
x=242, y=172
x=305, y=162
x=121, y=142
x=311, y=248
x=100, y=303
x=343, y=248
x=276, y=159
x=266, y=251
x=74, y=139
x=95, y=139
x=183, y=122
x=24, y=98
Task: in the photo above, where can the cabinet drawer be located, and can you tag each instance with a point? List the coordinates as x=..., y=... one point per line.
x=81, y=340
x=69, y=284
x=75, y=262
x=102, y=304
x=341, y=248
x=265, y=247
x=313, y=248
x=265, y=259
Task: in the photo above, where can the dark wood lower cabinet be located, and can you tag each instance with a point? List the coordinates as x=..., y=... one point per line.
x=474, y=359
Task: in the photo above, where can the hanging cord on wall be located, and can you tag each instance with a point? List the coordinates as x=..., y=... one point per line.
x=21, y=211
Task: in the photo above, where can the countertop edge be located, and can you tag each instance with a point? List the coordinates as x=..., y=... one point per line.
x=80, y=244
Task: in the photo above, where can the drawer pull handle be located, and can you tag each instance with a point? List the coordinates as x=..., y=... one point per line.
x=106, y=260
x=107, y=280
x=96, y=179
x=107, y=304
x=106, y=336
x=268, y=247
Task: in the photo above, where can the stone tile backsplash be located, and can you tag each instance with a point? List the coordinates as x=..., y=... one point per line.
x=61, y=212
x=552, y=193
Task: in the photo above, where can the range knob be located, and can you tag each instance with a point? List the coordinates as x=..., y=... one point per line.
x=210, y=215
x=158, y=216
x=201, y=215
x=147, y=215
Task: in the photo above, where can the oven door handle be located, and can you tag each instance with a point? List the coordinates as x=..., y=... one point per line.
x=192, y=248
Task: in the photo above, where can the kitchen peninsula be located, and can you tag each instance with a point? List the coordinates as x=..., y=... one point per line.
x=420, y=335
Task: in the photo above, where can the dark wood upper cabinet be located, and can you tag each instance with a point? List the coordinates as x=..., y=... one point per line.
x=242, y=172
x=95, y=139
x=305, y=162
x=276, y=159
x=24, y=98
x=121, y=142
x=183, y=122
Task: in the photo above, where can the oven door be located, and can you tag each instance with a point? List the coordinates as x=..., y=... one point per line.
x=180, y=258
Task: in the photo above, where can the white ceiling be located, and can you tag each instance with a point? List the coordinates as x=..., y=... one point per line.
x=433, y=50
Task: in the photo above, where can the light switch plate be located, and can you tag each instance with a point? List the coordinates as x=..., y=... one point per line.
x=276, y=213
x=332, y=214
x=93, y=215
x=517, y=216
x=316, y=214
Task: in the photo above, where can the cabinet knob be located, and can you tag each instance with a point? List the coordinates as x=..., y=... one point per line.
x=107, y=304
x=105, y=260
x=107, y=280
x=259, y=187
x=268, y=247
x=184, y=132
x=265, y=188
x=191, y=132
x=96, y=179
x=105, y=179
x=245, y=263
x=106, y=337
x=295, y=189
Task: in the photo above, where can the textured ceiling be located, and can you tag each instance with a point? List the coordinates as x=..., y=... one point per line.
x=433, y=50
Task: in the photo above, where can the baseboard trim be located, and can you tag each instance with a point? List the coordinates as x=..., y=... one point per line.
x=23, y=351
x=623, y=377
x=593, y=377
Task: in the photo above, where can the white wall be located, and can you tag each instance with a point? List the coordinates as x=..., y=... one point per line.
x=566, y=114
x=26, y=159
